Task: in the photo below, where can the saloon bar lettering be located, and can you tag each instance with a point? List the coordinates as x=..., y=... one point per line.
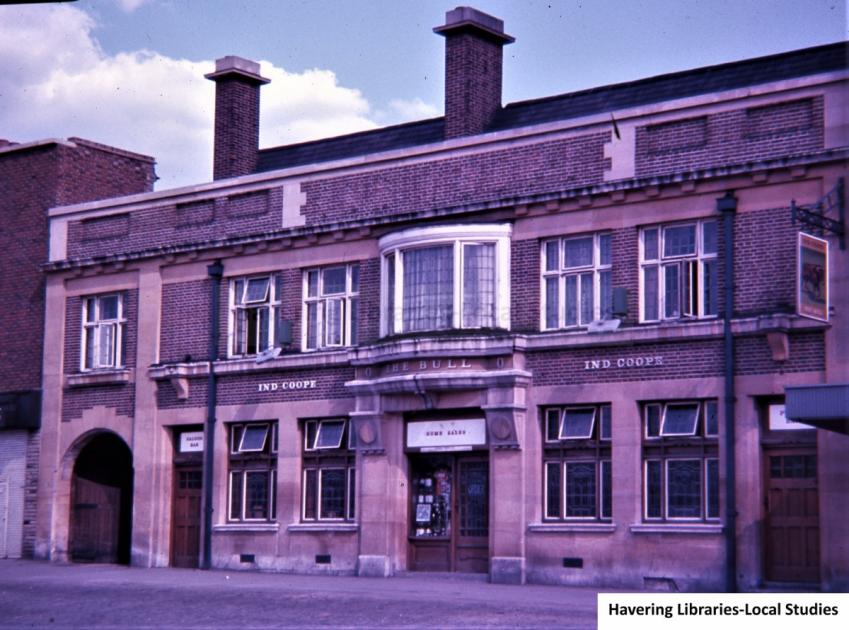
x=625, y=362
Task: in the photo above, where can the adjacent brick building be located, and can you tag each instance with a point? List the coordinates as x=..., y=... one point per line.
x=547, y=340
x=36, y=176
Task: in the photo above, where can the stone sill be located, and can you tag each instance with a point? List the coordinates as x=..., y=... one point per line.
x=676, y=528
x=238, y=528
x=572, y=528
x=98, y=377
x=323, y=527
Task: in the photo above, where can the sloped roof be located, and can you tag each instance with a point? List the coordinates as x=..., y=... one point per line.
x=728, y=76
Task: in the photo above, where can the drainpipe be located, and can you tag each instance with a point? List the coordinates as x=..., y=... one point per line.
x=215, y=271
x=727, y=205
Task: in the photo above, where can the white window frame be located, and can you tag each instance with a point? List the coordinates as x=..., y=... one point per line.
x=321, y=301
x=395, y=244
x=689, y=306
x=96, y=327
x=262, y=460
x=240, y=303
x=562, y=272
x=681, y=447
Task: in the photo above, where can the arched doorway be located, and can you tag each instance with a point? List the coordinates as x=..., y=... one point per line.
x=102, y=501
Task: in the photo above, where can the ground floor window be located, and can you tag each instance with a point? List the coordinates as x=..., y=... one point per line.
x=252, y=472
x=329, y=471
x=577, y=467
x=681, y=460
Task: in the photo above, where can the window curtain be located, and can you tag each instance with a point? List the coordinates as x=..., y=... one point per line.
x=479, y=286
x=428, y=288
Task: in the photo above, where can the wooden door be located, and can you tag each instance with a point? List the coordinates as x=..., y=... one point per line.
x=471, y=537
x=792, y=518
x=95, y=521
x=185, y=517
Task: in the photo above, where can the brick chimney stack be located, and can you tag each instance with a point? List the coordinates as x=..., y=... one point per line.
x=237, y=83
x=473, y=62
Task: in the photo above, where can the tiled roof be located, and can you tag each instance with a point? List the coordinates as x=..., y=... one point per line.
x=729, y=76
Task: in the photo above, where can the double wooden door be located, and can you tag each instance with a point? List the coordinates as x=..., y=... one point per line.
x=450, y=513
x=792, y=516
x=95, y=521
x=186, y=517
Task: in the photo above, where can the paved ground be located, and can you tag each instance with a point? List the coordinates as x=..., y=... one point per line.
x=44, y=595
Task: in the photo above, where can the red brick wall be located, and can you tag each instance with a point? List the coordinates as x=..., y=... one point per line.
x=472, y=83
x=734, y=137
x=185, y=321
x=244, y=389
x=753, y=356
x=34, y=180
x=525, y=285
x=236, y=127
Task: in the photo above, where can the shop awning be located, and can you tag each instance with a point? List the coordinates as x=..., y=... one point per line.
x=821, y=406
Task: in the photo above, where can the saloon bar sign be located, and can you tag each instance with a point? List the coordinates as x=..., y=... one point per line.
x=812, y=277
x=446, y=435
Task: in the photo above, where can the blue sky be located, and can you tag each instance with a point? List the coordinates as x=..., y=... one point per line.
x=129, y=72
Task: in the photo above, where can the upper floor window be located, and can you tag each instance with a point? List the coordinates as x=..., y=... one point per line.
x=253, y=472
x=577, y=465
x=103, y=328
x=254, y=313
x=678, y=271
x=331, y=300
x=446, y=277
x=329, y=487
x=576, y=277
x=681, y=460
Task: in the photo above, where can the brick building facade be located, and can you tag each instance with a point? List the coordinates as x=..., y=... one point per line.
x=36, y=176
x=548, y=341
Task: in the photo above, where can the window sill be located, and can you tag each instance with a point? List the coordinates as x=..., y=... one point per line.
x=246, y=528
x=98, y=377
x=572, y=528
x=323, y=527
x=676, y=528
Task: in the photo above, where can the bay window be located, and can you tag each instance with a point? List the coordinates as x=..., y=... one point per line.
x=681, y=461
x=103, y=328
x=446, y=277
x=331, y=300
x=576, y=281
x=254, y=313
x=678, y=271
x=329, y=473
x=252, y=472
x=576, y=463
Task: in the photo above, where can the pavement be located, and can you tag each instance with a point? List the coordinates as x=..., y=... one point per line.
x=36, y=594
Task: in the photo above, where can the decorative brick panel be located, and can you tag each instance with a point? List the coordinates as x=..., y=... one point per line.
x=732, y=137
x=121, y=397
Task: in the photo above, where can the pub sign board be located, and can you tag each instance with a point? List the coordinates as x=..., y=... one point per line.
x=812, y=277
x=446, y=435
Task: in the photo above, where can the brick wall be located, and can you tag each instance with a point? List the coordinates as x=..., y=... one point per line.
x=35, y=179
x=764, y=262
x=753, y=356
x=472, y=83
x=733, y=137
x=236, y=127
x=369, y=305
x=244, y=389
x=185, y=321
x=525, y=285
x=696, y=359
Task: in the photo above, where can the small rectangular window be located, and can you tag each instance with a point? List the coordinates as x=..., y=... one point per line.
x=103, y=326
x=680, y=419
x=552, y=489
x=253, y=438
x=578, y=423
x=330, y=307
x=329, y=475
x=252, y=471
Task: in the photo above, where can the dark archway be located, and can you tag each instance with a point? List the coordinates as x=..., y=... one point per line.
x=102, y=501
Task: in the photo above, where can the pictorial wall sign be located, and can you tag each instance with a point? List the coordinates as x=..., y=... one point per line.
x=446, y=435
x=779, y=422
x=812, y=277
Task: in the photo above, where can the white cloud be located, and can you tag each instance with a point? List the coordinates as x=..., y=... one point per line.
x=58, y=82
x=130, y=5
x=415, y=109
